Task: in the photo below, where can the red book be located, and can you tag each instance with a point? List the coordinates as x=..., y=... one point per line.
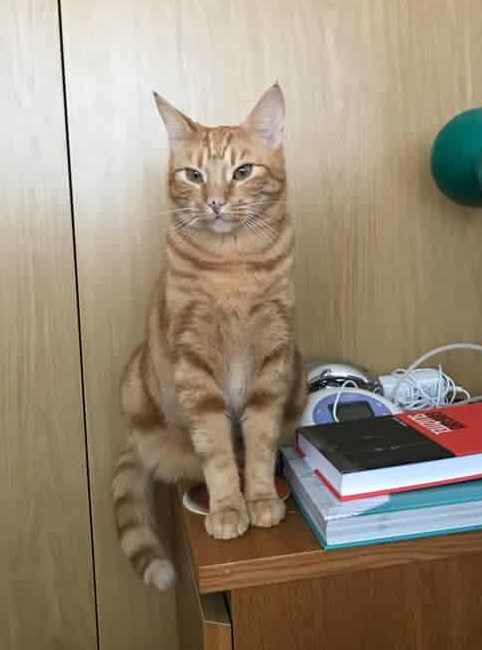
x=407, y=451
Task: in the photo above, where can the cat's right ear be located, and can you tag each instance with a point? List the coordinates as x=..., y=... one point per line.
x=179, y=127
x=266, y=119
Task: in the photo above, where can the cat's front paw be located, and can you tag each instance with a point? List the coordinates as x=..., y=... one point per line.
x=228, y=522
x=266, y=512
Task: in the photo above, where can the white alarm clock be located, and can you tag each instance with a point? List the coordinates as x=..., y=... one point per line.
x=339, y=392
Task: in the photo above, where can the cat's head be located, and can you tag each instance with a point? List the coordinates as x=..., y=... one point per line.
x=225, y=178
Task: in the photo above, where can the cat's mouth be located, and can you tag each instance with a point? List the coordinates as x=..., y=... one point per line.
x=222, y=225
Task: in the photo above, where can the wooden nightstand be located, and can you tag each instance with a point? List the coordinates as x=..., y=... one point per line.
x=276, y=589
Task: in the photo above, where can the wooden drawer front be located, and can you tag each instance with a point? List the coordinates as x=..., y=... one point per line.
x=203, y=620
x=216, y=624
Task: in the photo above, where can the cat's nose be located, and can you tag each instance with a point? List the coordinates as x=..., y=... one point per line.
x=216, y=204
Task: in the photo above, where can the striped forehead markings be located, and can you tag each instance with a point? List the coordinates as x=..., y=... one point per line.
x=218, y=142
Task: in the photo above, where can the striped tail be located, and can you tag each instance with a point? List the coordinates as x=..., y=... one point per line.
x=130, y=492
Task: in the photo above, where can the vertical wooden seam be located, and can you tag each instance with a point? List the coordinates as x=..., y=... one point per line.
x=79, y=319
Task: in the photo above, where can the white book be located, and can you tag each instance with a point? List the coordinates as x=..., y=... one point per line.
x=418, y=513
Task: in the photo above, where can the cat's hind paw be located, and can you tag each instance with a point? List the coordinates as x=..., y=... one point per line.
x=265, y=513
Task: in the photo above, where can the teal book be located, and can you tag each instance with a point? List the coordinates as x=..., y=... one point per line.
x=372, y=520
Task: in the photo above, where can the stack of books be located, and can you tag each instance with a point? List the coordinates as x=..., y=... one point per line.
x=383, y=479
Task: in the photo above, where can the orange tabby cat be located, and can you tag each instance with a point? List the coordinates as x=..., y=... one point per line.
x=218, y=353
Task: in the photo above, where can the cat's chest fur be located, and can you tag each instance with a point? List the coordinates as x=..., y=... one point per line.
x=233, y=332
x=236, y=292
x=233, y=321
x=249, y=327
x=233, y=302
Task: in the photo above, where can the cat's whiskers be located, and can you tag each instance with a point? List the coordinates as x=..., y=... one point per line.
x=245, y=214
x=268, y=228
x=263, y=202
x=252, y=219
x=256, y=217
x=176, y=211
x=251, y=226
x=249, y=207
x=183, y=228
x=259, y=227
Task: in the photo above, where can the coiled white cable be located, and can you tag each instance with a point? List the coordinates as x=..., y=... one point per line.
x=415, y=394
x=448, y=390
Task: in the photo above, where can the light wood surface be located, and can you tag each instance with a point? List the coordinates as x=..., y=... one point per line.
x=291, y=552
x=386, y=267
x=46, y=580
x=422, y=606
x=116, y=174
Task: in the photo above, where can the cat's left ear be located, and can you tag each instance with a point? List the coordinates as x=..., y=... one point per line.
x=267, y=118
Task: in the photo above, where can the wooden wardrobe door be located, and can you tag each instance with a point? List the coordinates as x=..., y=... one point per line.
x=46, y=580
x=117, y=176
x=386, y=267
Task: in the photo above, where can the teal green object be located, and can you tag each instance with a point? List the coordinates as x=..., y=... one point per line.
x=457, y=158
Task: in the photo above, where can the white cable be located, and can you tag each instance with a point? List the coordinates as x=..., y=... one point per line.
x=420, y=398
x=458, y=390
x=447, y=389
x=348, y=383
x=440, y=383
x=432, y=353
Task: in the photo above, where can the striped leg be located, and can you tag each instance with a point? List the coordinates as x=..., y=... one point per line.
x=261, y=431
x=211, y=435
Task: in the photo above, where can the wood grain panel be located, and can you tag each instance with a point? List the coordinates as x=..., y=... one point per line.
x=386, y=267
x=46, y=581
x=110, y=48
x=416, y=607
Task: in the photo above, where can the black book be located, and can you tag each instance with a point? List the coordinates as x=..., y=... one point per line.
x=406, y=451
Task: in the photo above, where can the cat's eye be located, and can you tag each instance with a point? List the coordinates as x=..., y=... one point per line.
x=193, y=175
x=242, y=172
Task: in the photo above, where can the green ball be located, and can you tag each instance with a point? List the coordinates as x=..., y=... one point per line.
x=457, y=158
